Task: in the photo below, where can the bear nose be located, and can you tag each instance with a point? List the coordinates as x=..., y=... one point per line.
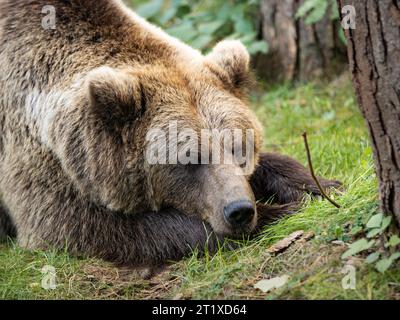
x=239, y=213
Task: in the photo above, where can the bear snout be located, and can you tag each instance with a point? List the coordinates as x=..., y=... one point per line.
x=239, y=214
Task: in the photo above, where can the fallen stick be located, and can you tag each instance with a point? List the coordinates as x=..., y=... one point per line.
x=310, y=165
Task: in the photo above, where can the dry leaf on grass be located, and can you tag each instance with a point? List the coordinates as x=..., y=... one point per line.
x=338, y=242
x=297, y=236
x=285, y=243
x=308, y=235
x=270, y=284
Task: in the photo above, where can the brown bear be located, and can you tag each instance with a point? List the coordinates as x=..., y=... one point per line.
x=77, y=100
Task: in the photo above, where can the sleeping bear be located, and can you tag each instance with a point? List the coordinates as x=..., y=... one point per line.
x=80, y=105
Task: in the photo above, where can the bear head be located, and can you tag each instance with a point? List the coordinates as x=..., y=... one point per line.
x=177, y=138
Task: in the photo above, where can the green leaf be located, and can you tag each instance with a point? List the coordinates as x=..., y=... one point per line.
x=313, y=10
x=395, y=256
x=258, y=47
x=243, y=26
x=317, y=14
x=306, y=7
x=393, y=241
x=248, y=38
x=373, y=257
x=386, y=223
x=375, y=221
x=233, y=36
x=185, y=31
x=210, y=28
x=372, y=233
x=183, y=11
x=150, y=9
x=237, y=13
x=202, y=41
x=225, y=12
x=384, y=264
x=168, y=15
x=342, y=36
x=356, y=229
x=357, y=247
x=335, y=11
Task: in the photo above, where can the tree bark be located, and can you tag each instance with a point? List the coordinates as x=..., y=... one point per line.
x=374, y=55
x=298, y=51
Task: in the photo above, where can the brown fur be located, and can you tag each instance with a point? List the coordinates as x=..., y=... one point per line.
x=75, y=106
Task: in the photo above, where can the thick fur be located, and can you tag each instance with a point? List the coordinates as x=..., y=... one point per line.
x=76, y=104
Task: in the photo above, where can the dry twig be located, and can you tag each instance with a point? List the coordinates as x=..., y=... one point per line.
x=310, y=165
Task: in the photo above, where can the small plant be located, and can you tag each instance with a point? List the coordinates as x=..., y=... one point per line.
x=382, y=245
x=203, y=23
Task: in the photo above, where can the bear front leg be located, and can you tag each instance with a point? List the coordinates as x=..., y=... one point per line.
x=138, y=240
x=284, y=180
x=52, y=213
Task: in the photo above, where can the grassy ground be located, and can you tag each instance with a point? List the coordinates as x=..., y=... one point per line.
x=340, y=150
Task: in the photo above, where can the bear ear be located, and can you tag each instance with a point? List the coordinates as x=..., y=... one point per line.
x=234, y=59
x=115, y=96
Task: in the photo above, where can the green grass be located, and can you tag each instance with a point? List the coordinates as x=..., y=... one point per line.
x=340, y=149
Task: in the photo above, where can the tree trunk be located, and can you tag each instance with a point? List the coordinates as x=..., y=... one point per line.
x=297, y=50
x=374, y=54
